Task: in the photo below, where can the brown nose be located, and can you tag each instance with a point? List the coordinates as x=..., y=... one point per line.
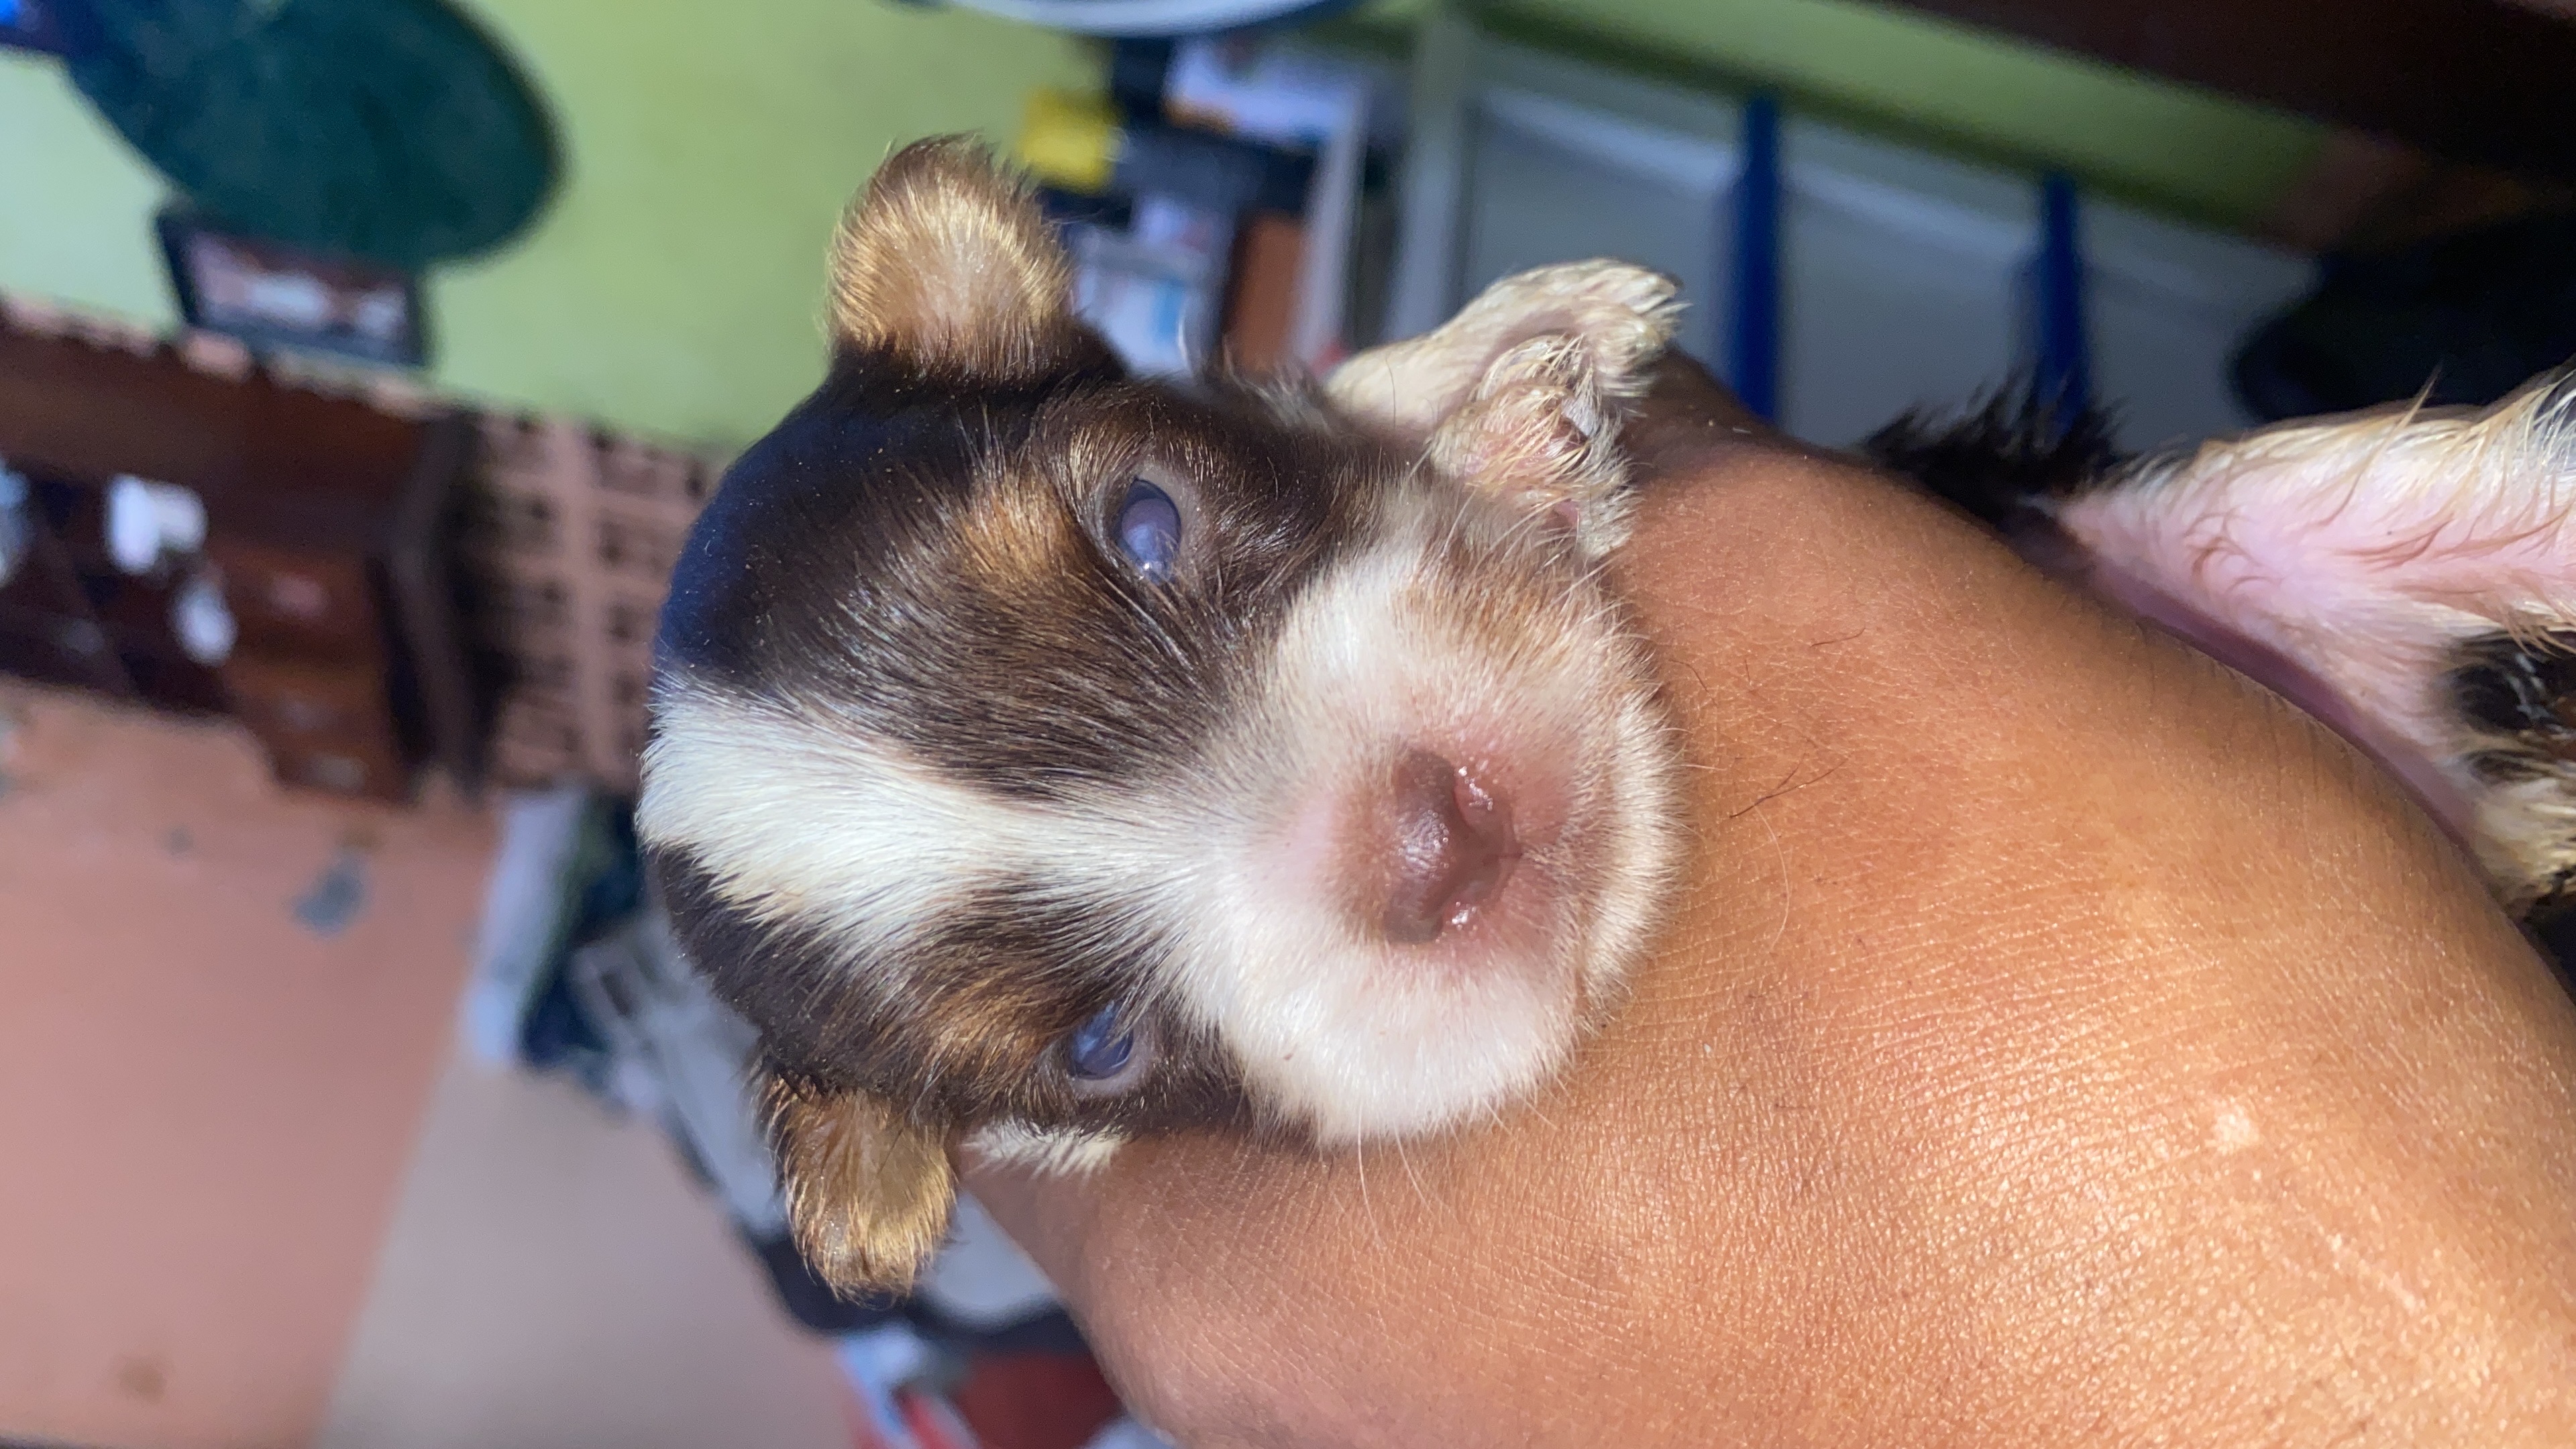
x=1452, y=847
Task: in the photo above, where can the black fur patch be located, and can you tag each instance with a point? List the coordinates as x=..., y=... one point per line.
x=854, y=454
x=2523, y=689
x=793, y=985
x=1998, y=456
x=836, y=567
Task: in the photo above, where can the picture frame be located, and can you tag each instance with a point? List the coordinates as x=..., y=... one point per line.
x=270, y=296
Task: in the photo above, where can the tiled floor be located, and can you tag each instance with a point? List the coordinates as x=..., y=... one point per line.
x=552, y=1279
x=216, y=1186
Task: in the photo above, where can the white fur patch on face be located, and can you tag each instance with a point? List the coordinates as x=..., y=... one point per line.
x=1535, y=680
x=804, y=818
x=1496, y=653
x=1017, y=1144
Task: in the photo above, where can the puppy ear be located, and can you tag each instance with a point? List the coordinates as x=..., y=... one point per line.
x=945, y=266
x=868, y=1191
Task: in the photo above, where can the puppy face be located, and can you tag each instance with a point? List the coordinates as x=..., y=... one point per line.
x=1047, y=757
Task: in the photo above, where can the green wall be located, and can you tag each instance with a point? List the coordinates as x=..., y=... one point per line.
x=675, y=286
x=2181, y=150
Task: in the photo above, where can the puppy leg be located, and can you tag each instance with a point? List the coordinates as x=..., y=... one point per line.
x=1622, y=316
x=1539, y=430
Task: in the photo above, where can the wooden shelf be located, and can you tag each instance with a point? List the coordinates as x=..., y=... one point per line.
x=326, y=524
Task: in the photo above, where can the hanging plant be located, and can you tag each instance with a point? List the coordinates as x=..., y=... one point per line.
x=387, y=131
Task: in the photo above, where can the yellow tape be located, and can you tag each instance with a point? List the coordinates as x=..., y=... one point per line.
x=1070, y=140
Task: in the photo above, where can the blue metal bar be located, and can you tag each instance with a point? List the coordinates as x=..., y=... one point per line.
x=1753, y=346
x=2065, y=372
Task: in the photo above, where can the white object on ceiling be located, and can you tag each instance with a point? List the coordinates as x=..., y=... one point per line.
x=1146, y=17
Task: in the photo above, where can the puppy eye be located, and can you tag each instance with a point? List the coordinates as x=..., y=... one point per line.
x=1102, y=1048
x=1149, y=531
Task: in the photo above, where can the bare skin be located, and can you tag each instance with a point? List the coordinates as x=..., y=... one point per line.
x=2062, y=1041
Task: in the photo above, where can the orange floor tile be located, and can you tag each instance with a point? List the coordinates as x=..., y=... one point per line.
x=206, y=1107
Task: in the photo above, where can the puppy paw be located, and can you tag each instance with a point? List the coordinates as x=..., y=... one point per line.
x=1621, y=318
x=1541, y=431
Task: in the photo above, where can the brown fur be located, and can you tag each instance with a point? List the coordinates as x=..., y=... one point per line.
x=1016, y=539
x=947, y=264
x=868, y=1190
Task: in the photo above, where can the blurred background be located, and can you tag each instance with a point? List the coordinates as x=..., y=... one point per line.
x=363, y=362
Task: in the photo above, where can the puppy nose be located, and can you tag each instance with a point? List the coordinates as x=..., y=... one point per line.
x=1453, y=847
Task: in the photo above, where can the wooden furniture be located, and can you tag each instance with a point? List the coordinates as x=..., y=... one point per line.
x=569, y=540
x=325, y=521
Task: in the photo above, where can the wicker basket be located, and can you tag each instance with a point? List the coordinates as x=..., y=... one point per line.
x=570, y=544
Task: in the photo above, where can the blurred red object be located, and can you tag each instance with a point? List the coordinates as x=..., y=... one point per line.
x=1036, y=1401
x=1007, y=1401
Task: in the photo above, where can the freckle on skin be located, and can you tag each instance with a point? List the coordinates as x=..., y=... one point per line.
x=2234, y=1131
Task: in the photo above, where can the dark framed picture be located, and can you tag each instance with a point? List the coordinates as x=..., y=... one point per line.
x=272, y=296
x=29, y=25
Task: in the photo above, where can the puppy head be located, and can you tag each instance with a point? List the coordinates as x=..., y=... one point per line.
x=1042, y=758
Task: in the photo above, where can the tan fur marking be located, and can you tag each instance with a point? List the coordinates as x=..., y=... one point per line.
x=1016, y=537
x=1523, y=427
x=945, y=262
x=869, y=1192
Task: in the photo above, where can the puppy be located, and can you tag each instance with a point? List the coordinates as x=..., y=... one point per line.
x=1042, y=757
x=2407, y=575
